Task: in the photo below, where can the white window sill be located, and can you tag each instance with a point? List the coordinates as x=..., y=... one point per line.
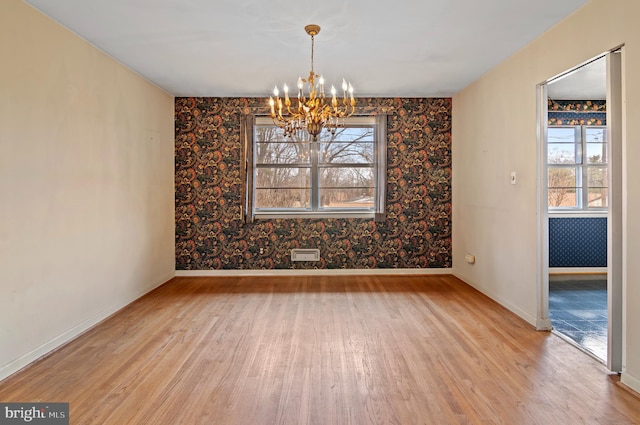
x=299, y=214
x=577, y=213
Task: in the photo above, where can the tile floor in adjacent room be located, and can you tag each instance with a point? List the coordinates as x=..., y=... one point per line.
x=578, y=310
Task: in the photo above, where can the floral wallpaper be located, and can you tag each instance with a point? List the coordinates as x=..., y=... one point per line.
x=577, y=112
x=211, y=233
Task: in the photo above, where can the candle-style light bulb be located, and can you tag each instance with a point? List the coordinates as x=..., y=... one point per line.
x=344, y=85
x=285, y=88
x=299, y=90
x=321, y=84
x=276, y=92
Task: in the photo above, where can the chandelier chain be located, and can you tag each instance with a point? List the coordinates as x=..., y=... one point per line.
x=312, y=44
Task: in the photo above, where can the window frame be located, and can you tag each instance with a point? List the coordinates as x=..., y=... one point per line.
x=581, y=167
x=315, y=210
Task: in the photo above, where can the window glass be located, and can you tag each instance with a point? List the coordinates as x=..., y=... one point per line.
x=282, y=153
x=562, y=146
x=282, y=187
x=598, y=197
x=346, y=153
x=597, y=177
x=574, y=183
x=283, y=198
x=563, y=187
x=340, y=173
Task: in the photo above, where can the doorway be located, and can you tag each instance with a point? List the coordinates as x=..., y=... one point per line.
x=579, y=165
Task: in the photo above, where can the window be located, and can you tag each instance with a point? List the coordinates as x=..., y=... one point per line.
x=341, y=174
x=577, y=168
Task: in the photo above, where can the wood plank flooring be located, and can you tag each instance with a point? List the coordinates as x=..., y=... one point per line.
x=322, y=350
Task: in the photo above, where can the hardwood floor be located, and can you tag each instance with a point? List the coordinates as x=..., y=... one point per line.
x=322, y=350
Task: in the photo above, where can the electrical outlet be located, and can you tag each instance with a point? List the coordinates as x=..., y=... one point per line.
x=471, y=259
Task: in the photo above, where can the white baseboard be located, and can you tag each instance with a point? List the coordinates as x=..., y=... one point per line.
x=630, y=381
x=69, y=335
x=544, y=324
x=577, y=270
x=515, y=310
x=310, y=272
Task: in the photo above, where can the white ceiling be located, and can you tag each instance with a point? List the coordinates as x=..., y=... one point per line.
x=406, y=48
x=589, y=82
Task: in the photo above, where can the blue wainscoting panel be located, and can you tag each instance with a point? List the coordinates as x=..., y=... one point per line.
x=578, y=242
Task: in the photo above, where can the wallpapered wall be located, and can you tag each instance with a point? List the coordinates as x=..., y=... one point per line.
x=577, y=112
x=211, y=234
x=577, y=241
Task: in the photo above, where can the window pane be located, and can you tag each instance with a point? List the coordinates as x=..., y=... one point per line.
x=561, y=146
x=338, y=171
x=348, y=134
x=562, y=153
x=282, y=153
x=347, y=198
x=346, y=153
x=595, y=135
x=563, y=198
x=563, y=177
x=597, y=177
x=346, y=177
x=268, y=177
x=282, y=198
x=269, y=134
x=563, y=185
x=598, y=197
x=596, y=153
x=561, y=135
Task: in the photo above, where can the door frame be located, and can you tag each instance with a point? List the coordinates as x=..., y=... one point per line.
x=615, y=223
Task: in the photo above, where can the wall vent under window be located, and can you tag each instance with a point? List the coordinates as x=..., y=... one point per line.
x=305, y=255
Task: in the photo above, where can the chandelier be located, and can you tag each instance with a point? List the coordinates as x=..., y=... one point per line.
x=313, y=111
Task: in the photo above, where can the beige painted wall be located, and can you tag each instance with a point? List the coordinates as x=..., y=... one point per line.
x=86, y=185
x=494, y=133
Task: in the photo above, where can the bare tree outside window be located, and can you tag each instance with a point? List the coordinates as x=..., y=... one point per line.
x=577, y=167
x=283, y=170
x=346, y=165
x=338, y=171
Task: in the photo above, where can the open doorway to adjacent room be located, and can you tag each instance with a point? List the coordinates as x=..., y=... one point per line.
x=581, y=173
